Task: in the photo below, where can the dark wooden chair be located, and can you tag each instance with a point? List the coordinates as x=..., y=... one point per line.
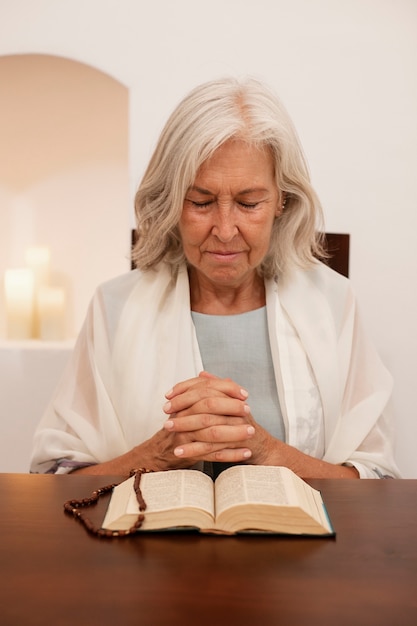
x=338, y=248
x=336, y=244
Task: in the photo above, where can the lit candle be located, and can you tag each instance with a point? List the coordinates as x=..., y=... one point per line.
x=19, y=291
x=51, y=313
x=37, y=259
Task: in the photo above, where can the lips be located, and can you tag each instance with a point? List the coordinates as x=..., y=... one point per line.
x=223, y=256
x=223, y=252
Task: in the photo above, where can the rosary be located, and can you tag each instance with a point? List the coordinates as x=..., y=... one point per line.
x=72, y=507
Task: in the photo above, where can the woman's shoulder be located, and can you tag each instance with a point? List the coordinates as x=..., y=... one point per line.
x=335, y=288
x=318, y=276
x=324, y=276
x=135, y=286
x=124, y=284
x=118, y=294
x=120, y=284
x=318, y=288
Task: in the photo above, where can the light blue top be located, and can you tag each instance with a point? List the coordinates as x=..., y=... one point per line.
x=237, y=347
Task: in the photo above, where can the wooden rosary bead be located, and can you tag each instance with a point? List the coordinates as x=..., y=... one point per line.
x=72, y=507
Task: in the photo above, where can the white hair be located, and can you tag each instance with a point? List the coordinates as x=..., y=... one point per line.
x=207, y=117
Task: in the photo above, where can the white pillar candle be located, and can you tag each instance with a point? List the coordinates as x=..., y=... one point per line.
x=37, y=259
x=19, y=291
x=51, y=313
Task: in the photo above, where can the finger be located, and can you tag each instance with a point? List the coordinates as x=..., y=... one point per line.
x=205, y=374
x=212, y=452
x=231, y=455
x=183, y=423
x=181, y=387
x=202, y=399
x=207, y=384
x=217, y=437
x=190, y=399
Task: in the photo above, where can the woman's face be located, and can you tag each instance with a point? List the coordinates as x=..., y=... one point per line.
x=228, y=214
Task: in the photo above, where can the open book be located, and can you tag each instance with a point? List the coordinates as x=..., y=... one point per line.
x=244, y=498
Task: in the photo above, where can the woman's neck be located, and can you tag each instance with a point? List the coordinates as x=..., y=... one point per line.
x=214, y=299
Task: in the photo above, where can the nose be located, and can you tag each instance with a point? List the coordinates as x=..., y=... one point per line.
x=225, y=227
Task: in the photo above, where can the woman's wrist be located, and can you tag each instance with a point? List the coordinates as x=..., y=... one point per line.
x=305, y=466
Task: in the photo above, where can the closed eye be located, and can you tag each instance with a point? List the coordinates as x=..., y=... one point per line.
x=201, y=204
x=248, y=205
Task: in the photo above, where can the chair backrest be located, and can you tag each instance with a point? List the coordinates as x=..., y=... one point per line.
x=337, y=246
x=133, y=241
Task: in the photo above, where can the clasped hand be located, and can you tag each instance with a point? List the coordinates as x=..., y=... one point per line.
x=210, y=420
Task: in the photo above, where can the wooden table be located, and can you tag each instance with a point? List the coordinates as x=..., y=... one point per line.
x=54, y=573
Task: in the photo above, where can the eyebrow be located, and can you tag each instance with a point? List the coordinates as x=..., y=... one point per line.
x=206, y=192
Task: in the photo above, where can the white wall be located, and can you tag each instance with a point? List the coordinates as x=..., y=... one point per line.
x=346, y=69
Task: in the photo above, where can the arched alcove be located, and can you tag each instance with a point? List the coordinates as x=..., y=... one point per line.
x=64, y=179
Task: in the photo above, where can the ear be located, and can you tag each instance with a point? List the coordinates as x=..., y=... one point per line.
x=281, y=207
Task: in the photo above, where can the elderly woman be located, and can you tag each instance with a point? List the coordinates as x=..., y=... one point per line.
x=230, y=342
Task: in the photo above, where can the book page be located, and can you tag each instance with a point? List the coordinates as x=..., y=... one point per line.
x=268, y=485
x=309, y=500
x=174, y=489
x=255, y=484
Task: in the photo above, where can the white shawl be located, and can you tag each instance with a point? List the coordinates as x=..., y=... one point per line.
x=138, y=340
